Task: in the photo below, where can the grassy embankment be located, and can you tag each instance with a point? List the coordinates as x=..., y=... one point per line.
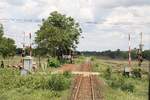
x=41, y=85
x=118, y=87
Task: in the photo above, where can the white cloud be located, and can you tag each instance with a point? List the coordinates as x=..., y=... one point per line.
x=86, y=14
x=116, y=19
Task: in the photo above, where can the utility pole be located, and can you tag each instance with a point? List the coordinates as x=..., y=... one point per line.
x=129, y=52
x=23, y=48
x=139, y=53
x=30, y=44
x=24, y=40
x=128, y=69
x=141, y=44
x=149, y=81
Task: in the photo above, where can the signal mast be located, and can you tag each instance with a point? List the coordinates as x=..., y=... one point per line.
x=127, y=69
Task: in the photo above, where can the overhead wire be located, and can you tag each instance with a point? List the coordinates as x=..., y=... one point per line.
x=86, y=22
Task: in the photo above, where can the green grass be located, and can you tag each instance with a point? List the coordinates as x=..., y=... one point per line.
x=115, y=92
x=112, y=94
x=29, y=94
x=35, y=86
x=79, y=60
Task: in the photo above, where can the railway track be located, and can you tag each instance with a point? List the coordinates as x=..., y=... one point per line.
x=84, y=89
x=85, y=86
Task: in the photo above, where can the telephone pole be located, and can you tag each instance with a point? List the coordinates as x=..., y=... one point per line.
x=141, y=44
x=149, y=81
x=30, y=44
x=139, y=53
x=129, y=52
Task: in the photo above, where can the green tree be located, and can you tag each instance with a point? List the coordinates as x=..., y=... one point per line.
x=1, y=31
x=7, y=45
x=58, y=34
x=146, y=54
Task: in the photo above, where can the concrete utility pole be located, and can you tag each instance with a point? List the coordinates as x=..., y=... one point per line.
x=129, y=52
x=23, y=48
x=139, y=53
x=30, y=44
x=141, y=44
x=24, y=40
x=149, y=81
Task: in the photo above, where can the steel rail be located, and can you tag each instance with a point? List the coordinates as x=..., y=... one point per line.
x=78, y=88
x=92, y=90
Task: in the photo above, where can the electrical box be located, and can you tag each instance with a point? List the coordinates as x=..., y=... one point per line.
x=127, y=69
x=27, y=65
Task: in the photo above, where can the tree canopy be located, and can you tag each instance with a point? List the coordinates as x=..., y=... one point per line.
x=58, y=34
x=7, y=45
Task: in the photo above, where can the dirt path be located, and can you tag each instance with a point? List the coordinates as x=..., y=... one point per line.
x=86, y=87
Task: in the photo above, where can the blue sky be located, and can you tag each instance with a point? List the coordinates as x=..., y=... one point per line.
x=115, y=18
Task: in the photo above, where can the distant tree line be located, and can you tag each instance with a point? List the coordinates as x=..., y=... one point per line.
x=117, y=54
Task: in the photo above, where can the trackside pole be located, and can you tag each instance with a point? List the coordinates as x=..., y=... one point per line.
x=30, y=44
x=129, y=55
x=129, y=52
x=149, y=81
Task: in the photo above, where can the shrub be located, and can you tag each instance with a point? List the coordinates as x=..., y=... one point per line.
x=117, y=81
x=137, y=72
x=108, y=73
x=34, y=82
x=92, y=58
x=67, y=74
x=120, y=82
x=127, y=87
x=53, y=62
x=58, y=82
x=96, y=65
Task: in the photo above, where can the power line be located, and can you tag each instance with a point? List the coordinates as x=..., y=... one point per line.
x=21, y=20
x=85, y=22
x=123, y=23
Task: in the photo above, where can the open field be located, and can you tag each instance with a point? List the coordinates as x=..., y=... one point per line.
x=117, y=87
x=114, y=92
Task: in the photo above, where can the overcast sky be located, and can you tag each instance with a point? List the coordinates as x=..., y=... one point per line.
x=115, y=20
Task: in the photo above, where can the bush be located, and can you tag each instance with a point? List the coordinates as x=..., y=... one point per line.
x=108, y=73
x=127, y=87
x=58, y=82
x=53, y=62
x=96, y=65
x=33, y=82
x=117, y=81
x=93, y=58
x=120, y=82
x=137, y=72
x=67, y=74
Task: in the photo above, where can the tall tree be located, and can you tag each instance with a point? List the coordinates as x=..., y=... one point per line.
x=1, y=31
x=58, y=34
x=7, y=45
